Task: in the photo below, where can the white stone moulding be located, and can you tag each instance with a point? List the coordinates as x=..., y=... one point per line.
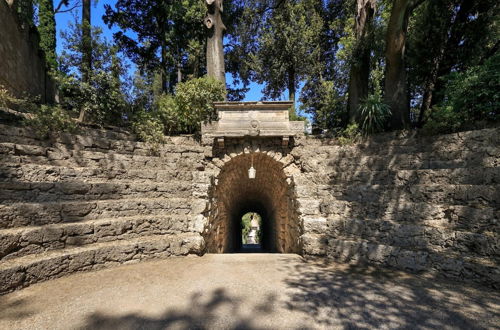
x=254, y=119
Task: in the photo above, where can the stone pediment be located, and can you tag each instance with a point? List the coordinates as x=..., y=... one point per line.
x=262, y=119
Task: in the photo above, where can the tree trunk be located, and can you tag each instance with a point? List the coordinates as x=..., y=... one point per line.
x=452, y=43
x=86, y=41
x=291, y=91
x=215, y=50
x=360, y=68
x=432, y=76
x=86, y=48
x=179, y=73
x=163, y=64
x=396, y=89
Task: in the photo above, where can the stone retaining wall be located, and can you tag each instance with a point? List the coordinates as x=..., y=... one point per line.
x=92, y=200
x=421, y=204
x=100, y=198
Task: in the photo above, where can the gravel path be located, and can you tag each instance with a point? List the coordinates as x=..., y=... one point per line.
x=245, y=291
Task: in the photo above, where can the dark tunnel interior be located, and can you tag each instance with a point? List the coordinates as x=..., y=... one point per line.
x=268, y=194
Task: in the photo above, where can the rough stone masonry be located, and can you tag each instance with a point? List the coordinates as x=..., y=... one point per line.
x=100, y=198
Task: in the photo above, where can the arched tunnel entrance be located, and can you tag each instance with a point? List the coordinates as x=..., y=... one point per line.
x=270, y=194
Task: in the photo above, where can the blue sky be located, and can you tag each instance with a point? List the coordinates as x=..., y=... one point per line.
x=64, y=19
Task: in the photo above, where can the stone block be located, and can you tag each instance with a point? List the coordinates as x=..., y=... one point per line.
x=308, y=206
x=81, y=261
x=76, y=210
x=71, y=188
x=316, y=225
x=11, y=278
x=8, y=244
x=313, y=244
x=30, y=150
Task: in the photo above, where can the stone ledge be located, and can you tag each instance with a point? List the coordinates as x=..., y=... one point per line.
x=24, y=271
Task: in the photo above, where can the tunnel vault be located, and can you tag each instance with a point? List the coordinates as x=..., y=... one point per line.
x=271, y=194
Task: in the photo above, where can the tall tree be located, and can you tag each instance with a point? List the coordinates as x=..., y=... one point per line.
x=47, y=31
x=463, y=35
x=215, y=50
x=279, y=44
x=86, y=65
x=168, y=35
x=396, y=89
x=360, y=67
x=86, y=40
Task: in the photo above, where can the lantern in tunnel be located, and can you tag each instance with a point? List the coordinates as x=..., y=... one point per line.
x=251, y=171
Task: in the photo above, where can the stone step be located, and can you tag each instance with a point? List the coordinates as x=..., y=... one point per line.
x=418, y=237
x=457, y=194
x=27, y=270
x=389, y=143
x=17, y=153
x=417, y=161
x=30, y=192
x=39, y=214
x=55, y=173
x=87, y=138
x=457, y=217
x=7, y=131
x=23, y=241
x=482, y=270
x=462, y=140
x=407, y=235
x=469, y=175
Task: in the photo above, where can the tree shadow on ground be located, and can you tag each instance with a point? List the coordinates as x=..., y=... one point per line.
x=220, y=309
x=14, y=309
x=365, y=297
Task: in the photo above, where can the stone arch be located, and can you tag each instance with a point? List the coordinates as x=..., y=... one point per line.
x=271, y=194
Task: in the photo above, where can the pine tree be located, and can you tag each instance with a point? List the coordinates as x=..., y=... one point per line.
x=47, y=30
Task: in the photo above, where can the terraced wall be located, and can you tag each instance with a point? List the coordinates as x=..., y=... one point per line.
x=100, y=198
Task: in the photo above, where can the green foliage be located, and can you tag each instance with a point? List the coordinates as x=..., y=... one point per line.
x=443, y=120
x=173, y=29
x=191, y=105
x=462, y=36
x=51, y=119
x=149, y=129
x=278, y=47
x=47, y=30
x=6, y=98
x=183, y=112
x=23, y=104
x=194, y=99
x=374, y=114
x=471, y=99
x=103, y=97
x=351, y=134
x=246, y=224
x=322, y=101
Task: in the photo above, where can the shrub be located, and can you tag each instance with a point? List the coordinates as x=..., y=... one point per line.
x=48, y=119
x=349, y=135
x=194, y=102
x=149, y=129
x=25, y=104
x=374, y=114
x=444, y=120
x=470, y=98
x=183, y=112
x=322, y=101
x=169, y=115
